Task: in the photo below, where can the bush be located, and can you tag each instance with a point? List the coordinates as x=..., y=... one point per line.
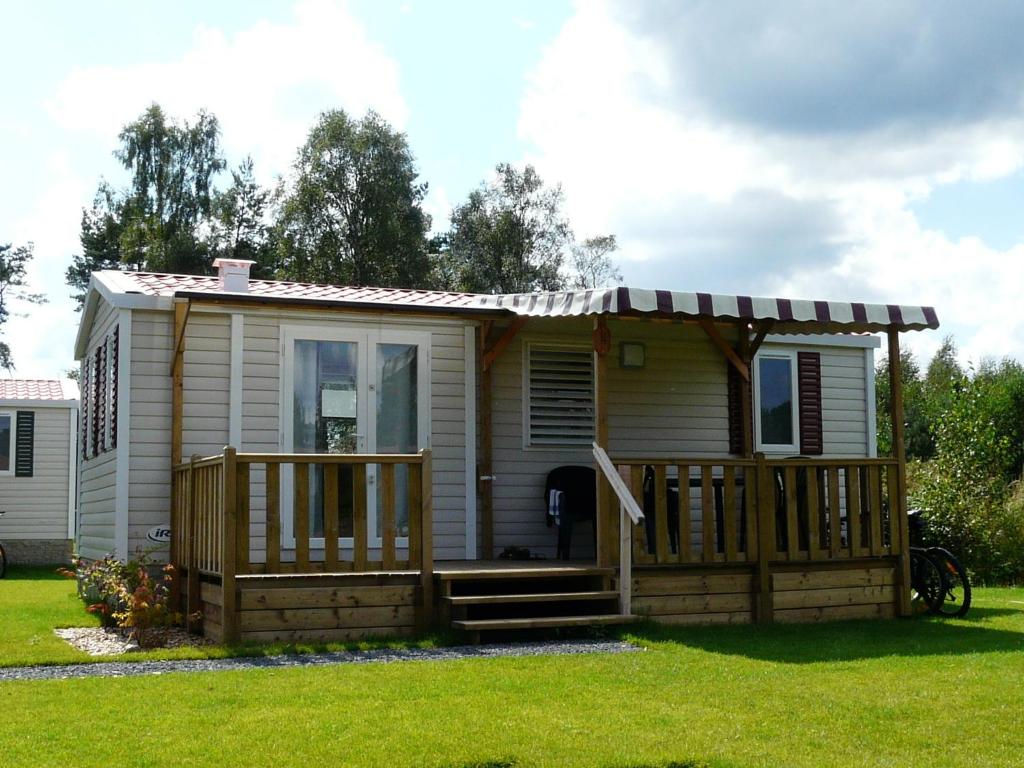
x=126, y=595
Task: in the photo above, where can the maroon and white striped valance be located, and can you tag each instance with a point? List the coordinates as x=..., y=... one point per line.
x=789, y=315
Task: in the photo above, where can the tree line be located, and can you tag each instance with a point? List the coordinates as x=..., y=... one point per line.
x=965, y=446
x=350, y=212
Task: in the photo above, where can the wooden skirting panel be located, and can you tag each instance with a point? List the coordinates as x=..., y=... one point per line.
x=686, y=597
x=327, y=608
x=830, y=595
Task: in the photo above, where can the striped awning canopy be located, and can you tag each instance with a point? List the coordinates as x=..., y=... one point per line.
x=786, y=315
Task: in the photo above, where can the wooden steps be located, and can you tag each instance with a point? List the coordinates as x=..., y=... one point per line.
x=545, y=622
x=540, y=597
x=504, y=597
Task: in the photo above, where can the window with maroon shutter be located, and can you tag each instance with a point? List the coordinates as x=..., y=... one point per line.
x=113, y=388
x=808, y=366
x=94, y=429
x=84, y=433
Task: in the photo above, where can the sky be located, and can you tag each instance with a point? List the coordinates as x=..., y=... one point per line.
x=868, y=151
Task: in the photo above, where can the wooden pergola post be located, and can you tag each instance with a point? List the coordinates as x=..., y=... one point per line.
x=485, y=467
x=898, y=500
x=177, y=409
x=746, y=415
x=605, y=519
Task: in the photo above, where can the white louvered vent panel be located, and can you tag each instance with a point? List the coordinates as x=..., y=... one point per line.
x=561, y=396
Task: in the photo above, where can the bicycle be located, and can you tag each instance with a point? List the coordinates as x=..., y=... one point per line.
x=3, y=554
x=950, y=593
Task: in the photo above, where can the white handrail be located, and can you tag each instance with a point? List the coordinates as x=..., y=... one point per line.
x=615, y=480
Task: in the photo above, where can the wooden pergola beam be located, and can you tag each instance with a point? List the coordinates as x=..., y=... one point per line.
x=726, y=349
x=491, y=354
x=762, y=334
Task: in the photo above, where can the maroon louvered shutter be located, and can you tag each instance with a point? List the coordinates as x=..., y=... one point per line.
x=734, y=389
x=809, y=393
x=95, y=387
x=113, y=388
x=84, y=434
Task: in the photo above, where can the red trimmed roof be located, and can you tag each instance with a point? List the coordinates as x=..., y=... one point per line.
x=151, y=284
x=783, y=315
x=33, y=389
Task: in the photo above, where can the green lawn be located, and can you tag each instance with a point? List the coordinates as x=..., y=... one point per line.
x=909, y=692
x=35, y=601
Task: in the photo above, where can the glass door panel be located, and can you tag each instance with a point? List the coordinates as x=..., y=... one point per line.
x=326, y=419
x=397, y=411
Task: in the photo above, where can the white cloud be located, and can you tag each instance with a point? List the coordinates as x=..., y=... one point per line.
x=265, y=83
x=730, y=191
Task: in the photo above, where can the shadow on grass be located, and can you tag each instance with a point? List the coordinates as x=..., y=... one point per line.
x=512, y=763
x=33, y=573
x=841, y=641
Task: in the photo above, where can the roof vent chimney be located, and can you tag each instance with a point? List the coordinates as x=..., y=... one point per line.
x=233, y=274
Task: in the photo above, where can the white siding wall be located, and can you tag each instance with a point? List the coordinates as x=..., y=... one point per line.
x=207, y=394
x=37, y=506
x=150, y=456
x=676, y=405
x=98, y=480
x=844, y=407
x=261, y=430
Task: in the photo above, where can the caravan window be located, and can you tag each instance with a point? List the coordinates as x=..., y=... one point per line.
x=775, y=401
x=559, y=403
x=6, y=441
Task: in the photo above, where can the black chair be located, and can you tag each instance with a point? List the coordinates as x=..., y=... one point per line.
x=579, y=488
x=650, y=512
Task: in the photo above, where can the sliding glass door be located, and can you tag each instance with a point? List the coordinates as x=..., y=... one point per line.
x=349, y=390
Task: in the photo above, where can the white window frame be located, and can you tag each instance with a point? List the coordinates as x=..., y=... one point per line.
x=13, y=444
x=778, y=354
x=573, y=346
x=366, y=338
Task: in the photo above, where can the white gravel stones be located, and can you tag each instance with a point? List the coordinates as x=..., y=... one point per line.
x=106, y=641
x=129, y=668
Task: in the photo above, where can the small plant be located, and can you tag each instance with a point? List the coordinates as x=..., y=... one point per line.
x=126, y=595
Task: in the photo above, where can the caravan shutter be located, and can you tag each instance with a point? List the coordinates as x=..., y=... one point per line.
x=560, y=400
x=24, y=450
x=735, y=404
x=113, y=387
x=809, y=394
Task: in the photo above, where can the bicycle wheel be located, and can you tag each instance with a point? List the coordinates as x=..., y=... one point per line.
x=956, y=599
x=927, y=582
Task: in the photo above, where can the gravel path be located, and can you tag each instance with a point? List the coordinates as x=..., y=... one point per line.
x=130, y=668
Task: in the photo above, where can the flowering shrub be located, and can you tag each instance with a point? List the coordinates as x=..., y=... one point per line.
x=126, y=595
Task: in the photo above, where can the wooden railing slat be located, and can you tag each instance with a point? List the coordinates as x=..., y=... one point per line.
x=834, y=528
x=685, y=534
x=414, y=511
x=792, y=525
x=661, y=542
x=875, y=509
x=729, y=513
x=330, y=516
x=707, y=513
x=387, y=504
x=636, y=486
x=301, y=516
x=360, y=555
x=750, y=513
x=813, y=512
x=273, y=517
x=242, y=518
x=853, y=509
x=891, y=484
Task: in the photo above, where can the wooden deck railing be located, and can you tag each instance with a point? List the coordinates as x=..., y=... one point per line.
x=212, y=526
x=763, y=512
